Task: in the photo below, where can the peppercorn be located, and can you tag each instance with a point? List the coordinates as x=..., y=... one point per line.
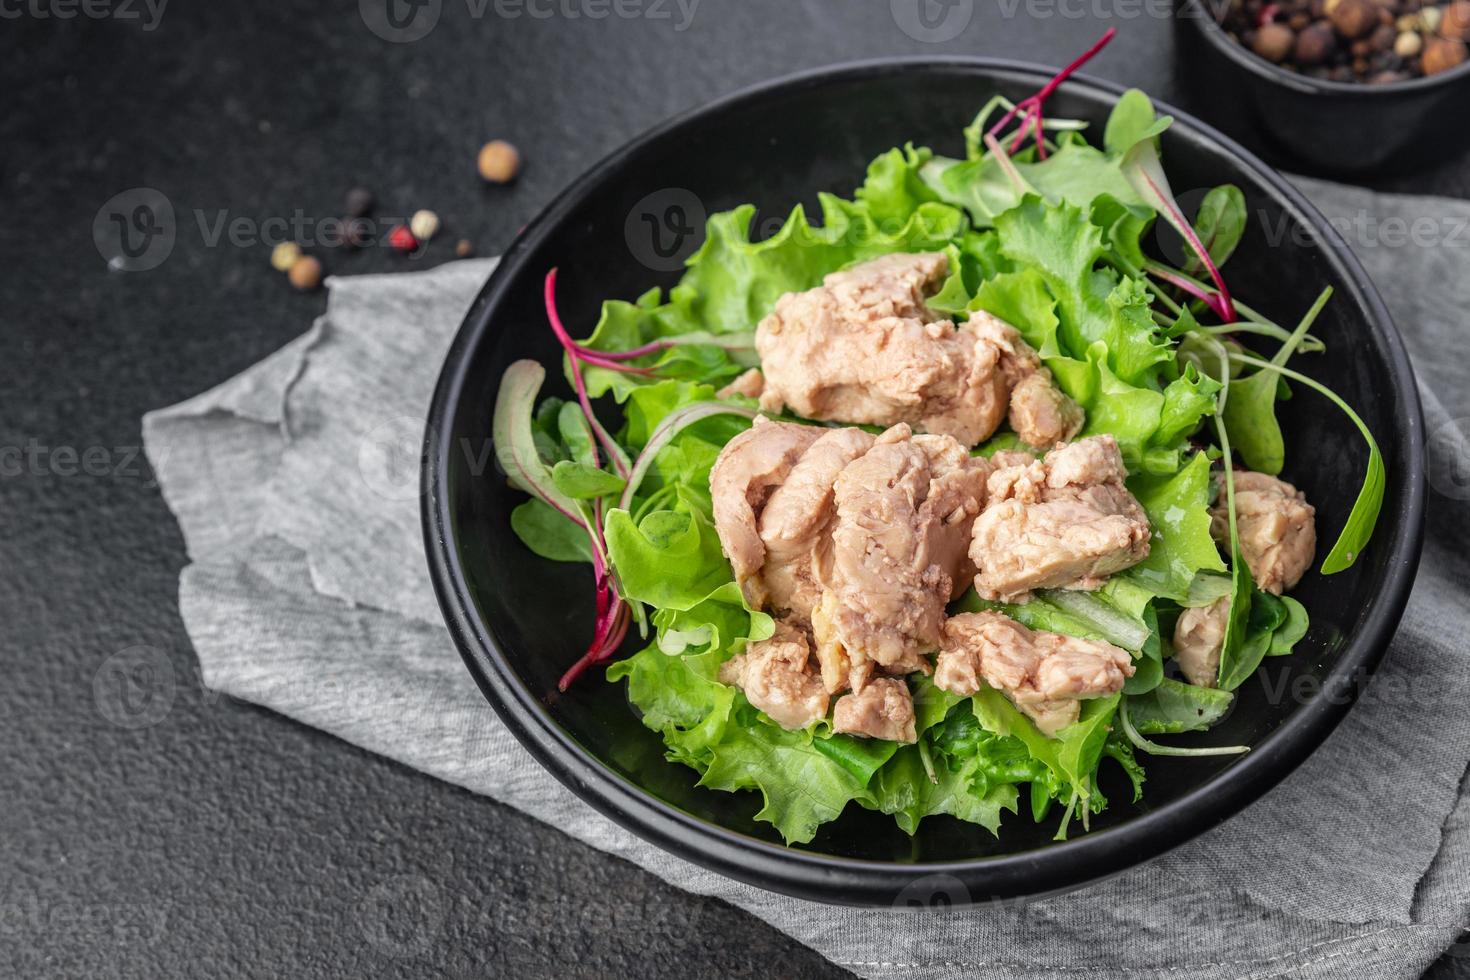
x=1430, y=17
x=401, y=238
x=1387, y=78
x=1297, y=21
x=424, y=224
x=499, y=162
x=284, y=255
x=1442, y=54
x=359, y=202
x=464, y=248
x=305, y=273
x=1455, y=22
x=1353, y=18
x=1408, y=44
x=1273, y=42
x=1314, y=45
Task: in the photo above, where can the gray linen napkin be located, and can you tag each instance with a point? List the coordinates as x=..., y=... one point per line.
x=296, y=488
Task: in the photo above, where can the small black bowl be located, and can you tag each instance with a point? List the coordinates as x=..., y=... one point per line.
x=520, y=621
x=1331, y=129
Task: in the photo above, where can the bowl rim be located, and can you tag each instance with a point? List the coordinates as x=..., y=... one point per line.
x=1050, y=869
x=1216, y=35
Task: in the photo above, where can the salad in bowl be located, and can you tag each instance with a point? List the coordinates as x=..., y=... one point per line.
x=945, y=500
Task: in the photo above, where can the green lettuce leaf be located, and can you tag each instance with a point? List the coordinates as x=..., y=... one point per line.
x=803, y=787
x=1065, y=247
x=680, y=698
x=732, y=282
x=671, y=559
x=1180, y=545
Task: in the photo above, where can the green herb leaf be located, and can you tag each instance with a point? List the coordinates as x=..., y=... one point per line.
x=1364, y=515
x=583, y=482
x=548, y=533
x=1132, y=121
x=1173, y=707
x=1219, y=224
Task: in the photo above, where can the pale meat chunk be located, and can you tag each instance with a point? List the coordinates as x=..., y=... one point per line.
x=1277, y=528
x=883, y=709
x=863, y=348
x=1041, y=414
x=896, y=555
x=1199, y=637
x=1063, y=522
x=749, y=385
x=1046, y=675
x=776, y=677
x=747, y=471
x=795, y=520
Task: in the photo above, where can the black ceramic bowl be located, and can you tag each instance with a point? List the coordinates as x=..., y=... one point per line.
x=520, y=621
x=1332, y=129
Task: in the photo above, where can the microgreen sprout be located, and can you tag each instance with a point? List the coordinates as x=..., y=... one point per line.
x=1031, y=110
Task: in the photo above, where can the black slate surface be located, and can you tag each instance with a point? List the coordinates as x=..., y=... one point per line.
x=149, y=827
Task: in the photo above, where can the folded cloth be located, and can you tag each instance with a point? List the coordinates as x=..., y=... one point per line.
x=296, y=487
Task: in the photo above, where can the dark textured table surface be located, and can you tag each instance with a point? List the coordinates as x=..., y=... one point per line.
x=217, y=839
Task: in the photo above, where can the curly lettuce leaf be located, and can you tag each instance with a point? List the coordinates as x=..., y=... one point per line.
x=671, y=559
x=680, y=698
x=733, y=282
x=1072, y=756
x=958, y=787
x=802, y=787
x=1092, y=305
x=894, y=189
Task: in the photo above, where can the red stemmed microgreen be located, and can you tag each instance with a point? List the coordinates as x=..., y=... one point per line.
x=1214, y=300
x=1145, y=173
x=516, y=451
x=1031, y=110
x=576, y=355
